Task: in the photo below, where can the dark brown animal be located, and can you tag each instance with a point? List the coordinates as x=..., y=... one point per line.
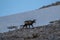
x=29, y=23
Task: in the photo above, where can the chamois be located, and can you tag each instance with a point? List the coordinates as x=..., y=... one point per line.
x=29, y=23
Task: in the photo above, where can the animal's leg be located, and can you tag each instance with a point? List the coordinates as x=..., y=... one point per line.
x=26, y=26
x=29, y=26
x=32, y=26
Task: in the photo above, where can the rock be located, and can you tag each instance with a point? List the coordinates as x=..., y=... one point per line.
x=45, y=32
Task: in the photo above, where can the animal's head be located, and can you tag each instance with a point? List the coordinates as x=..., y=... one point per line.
x=34, y=20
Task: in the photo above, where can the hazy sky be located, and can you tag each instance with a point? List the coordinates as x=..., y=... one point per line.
x=9, y=7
